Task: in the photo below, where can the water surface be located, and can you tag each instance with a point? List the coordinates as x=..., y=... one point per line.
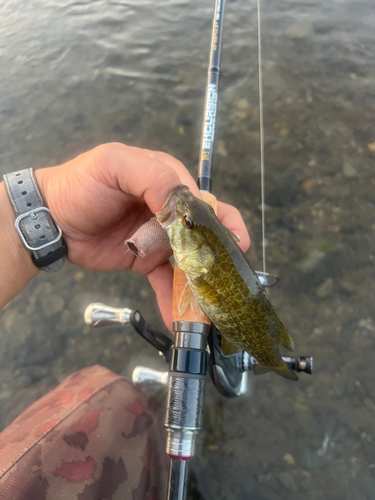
x=77, y=74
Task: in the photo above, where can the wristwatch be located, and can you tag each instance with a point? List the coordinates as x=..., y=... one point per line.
x=34, y=223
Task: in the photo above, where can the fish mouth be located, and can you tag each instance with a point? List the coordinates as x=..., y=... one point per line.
x=167, y=215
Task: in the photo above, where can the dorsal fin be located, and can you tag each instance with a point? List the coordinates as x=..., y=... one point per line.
x=234, y=237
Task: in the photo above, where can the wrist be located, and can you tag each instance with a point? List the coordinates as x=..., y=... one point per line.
x=46, y=180
x=16, y=267
x=35, y=224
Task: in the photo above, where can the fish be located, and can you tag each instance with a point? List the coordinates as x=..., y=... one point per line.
x=223, y=283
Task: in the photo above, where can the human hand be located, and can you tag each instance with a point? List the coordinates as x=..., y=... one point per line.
x=102, y=197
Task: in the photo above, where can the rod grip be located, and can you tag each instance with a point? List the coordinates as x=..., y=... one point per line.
x=179, y=282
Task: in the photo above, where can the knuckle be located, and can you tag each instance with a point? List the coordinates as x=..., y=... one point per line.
x=236, y=213
x=163, y=157
x=104, y=160
x=105, y=151
x=168, y=159
x=163, y=175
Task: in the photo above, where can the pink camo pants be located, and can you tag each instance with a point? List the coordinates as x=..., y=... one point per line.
x=94, y=437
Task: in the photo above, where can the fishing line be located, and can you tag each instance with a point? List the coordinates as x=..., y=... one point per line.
x=261, y=133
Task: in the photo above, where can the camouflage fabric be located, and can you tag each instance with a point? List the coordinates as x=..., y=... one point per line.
x=95, y=436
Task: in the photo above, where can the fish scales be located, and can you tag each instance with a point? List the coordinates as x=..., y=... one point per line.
x=236, y=312
x=223, y=282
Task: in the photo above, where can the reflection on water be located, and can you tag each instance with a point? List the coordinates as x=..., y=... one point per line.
x=76, y=74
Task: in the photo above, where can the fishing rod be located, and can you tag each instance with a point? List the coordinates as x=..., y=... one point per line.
x=194, y=336
x=204, y=180
x=188, y=367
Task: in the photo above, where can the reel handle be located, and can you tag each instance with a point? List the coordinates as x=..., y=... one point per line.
x=98, y=315
x=144, y=375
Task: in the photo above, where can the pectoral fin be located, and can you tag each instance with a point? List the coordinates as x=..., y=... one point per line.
x=227, y=347
x=187, y=299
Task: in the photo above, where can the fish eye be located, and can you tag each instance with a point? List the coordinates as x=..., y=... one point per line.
x=188, y=223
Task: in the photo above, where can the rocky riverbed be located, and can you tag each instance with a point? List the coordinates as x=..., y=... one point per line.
x=80, y=74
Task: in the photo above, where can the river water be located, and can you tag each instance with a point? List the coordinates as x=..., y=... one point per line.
x=77, y=74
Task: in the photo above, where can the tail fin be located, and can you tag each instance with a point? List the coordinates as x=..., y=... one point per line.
x=282, y=370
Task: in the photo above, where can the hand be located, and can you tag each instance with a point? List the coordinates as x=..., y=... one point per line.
x=102, y=197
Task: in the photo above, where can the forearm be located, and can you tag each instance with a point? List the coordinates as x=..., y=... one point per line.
x=16, y=267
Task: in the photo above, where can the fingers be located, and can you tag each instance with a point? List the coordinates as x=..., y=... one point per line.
x=161, y=280
x=177, y=165
x=143, y=174
x=231, y=218
x=228, y=214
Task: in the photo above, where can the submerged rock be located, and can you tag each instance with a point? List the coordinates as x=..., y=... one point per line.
x=348, y=170
x=300, y=30
x=325, y=288
x=289, y=459
x=287, y=481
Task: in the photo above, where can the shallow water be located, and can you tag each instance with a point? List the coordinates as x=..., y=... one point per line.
x=77, y=74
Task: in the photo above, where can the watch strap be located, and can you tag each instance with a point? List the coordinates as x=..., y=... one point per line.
x=34, y=223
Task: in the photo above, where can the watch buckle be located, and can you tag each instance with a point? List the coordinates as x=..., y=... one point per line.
x=32, y=216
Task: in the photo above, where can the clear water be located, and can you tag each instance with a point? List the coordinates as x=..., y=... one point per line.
x=77, y=74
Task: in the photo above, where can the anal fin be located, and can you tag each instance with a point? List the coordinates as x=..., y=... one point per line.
x=282, y=370
x=227, y=347
x=286, y=372
x=260, y=369
x=285, y=339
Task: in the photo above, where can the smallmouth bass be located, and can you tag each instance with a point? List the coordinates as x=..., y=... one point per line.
x=223, y=282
